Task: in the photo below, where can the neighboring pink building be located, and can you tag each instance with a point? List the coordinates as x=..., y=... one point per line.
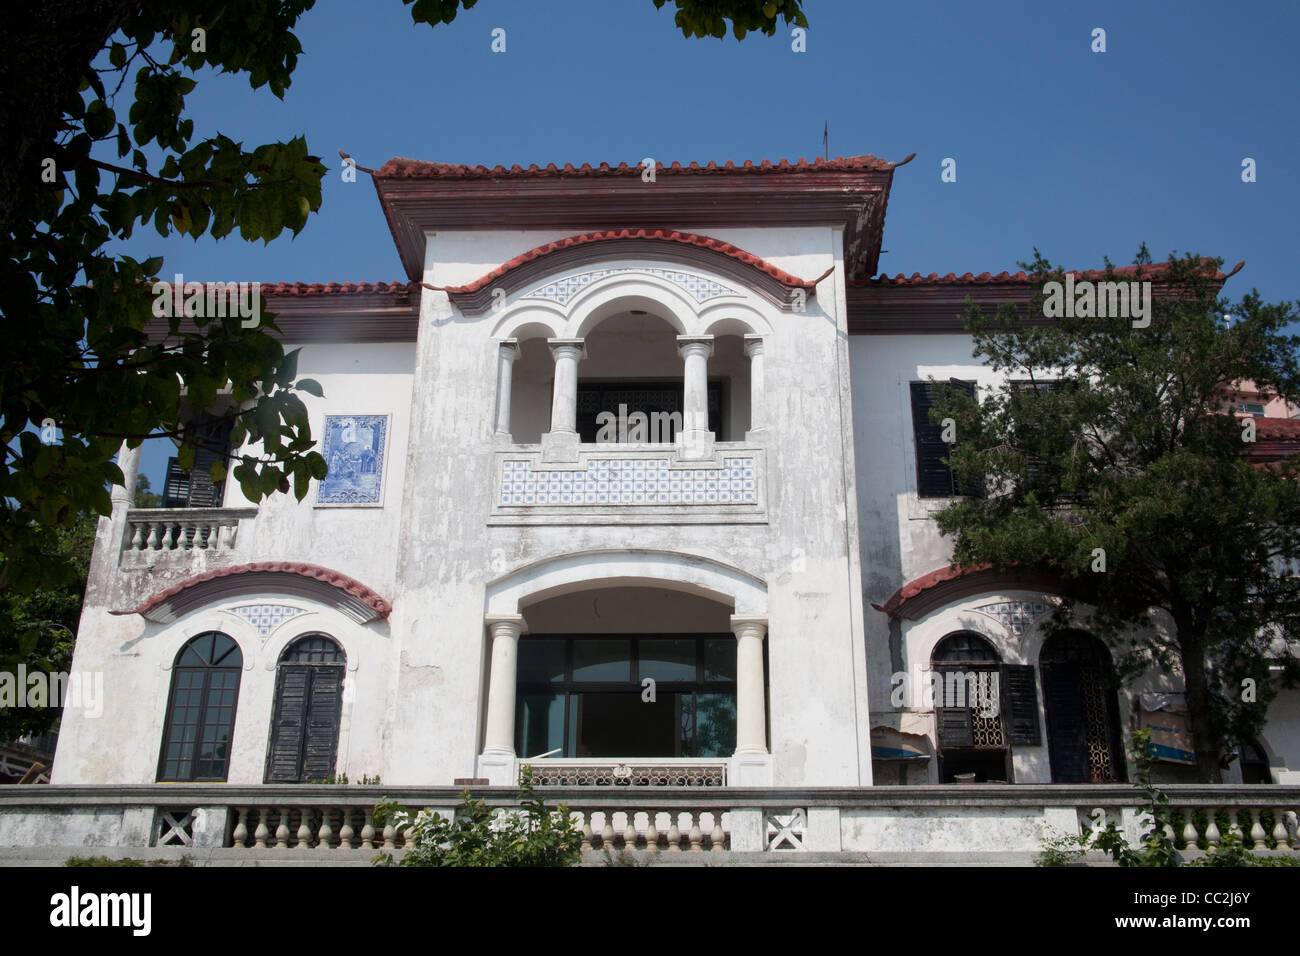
x=1247, y=397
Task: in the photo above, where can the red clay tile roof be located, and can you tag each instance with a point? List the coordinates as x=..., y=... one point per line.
x=926, y=581
x=336, y=288
x=400, y=168
x=334, y=578
x=613, y=235
x=985, y=278
x=328, y=288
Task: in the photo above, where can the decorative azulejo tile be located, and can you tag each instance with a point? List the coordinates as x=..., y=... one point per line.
x=562, y=290
x=1016, y=616
x=641, y=481
x=265, y=618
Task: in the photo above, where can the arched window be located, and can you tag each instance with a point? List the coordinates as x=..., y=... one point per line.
x=308, y=707
x=201, y=709
x=972, y=741
x=1079, y=694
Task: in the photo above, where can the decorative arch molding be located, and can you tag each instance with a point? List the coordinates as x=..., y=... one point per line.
x=726, y=262
x=590, y=570
x=289, y=578
x=920, y=596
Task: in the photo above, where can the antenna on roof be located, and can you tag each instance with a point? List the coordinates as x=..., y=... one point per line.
x=826, y=140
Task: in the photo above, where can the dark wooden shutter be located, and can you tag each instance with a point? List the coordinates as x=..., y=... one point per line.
x=204, y=493
x=323, y=723
x=284, y=756
x=955, y=728
x=1020, y=704
x=933, y=477
x=176, y=488
x=1066, y=735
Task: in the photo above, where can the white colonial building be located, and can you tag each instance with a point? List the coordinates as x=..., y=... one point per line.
x=631, y=481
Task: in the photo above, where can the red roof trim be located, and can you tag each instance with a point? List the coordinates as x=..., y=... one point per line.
x=402, y=168
x=614, y=235
x=984, y=278
x=335, y=579
x=327, y=288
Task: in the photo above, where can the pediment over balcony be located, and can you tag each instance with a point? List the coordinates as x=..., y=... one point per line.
x=292, y=578
x=554, y=271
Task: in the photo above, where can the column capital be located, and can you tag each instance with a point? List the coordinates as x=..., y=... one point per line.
x=509, y=348
x=695, y=345
x=753, y=345
x=559, y=347
x=747, y=625
x=500, y=624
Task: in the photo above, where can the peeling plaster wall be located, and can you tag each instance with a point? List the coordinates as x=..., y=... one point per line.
x=135, y=657
x=805, y=554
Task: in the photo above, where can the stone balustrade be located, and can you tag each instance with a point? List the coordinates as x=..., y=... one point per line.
x=928, y=822
x=152, y=530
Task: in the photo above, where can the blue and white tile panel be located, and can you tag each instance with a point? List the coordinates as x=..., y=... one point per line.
x=629, y=481
x=702, y=288
x=1016, y=616
x=265, y=618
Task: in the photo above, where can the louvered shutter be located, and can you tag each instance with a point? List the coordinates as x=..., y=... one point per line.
x=323, y=723
x=176, y=488
x=204, y=493
x=955, y=728
x=933, y=477
x=284, y=758
x=1020, y=704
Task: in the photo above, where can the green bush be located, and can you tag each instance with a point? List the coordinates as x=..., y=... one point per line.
x=533, y=835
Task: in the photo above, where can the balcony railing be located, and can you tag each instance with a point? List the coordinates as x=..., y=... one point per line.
x=913, y=823
x=639, y=483
x=152, y=530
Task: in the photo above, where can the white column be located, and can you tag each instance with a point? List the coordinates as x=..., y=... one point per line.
x=754, y=349
x=751, y=706
x=128, y=459
x=507, y=352
x=564, y=397
x=696, y=439
x=499, y=737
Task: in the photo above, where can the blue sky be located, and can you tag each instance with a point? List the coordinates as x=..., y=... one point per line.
x=1081, y=154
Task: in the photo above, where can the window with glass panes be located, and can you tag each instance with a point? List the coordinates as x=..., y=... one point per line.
x=626, y=696
x=201, y=709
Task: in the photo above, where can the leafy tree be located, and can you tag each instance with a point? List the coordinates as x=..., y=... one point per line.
x=96, y=142
x=44, y=621
x=1131, y=483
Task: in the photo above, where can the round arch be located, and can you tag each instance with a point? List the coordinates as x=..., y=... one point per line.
x=587, y=570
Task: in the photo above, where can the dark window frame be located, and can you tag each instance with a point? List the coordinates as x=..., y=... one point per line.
x=716, y=401
x=208, y=670
x=571, y=690
x=934, y=478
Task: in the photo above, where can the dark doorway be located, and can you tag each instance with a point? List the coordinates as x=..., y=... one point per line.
x=1079, y=694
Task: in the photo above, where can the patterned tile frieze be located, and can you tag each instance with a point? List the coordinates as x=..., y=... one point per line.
x=1016, y=616
x=562, y=290
x=628, y=481
x=265, y=618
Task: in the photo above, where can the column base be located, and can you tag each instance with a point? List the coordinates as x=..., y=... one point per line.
x=750, y=770
x=694, y=445
x=560, y=446
x=501, y=770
